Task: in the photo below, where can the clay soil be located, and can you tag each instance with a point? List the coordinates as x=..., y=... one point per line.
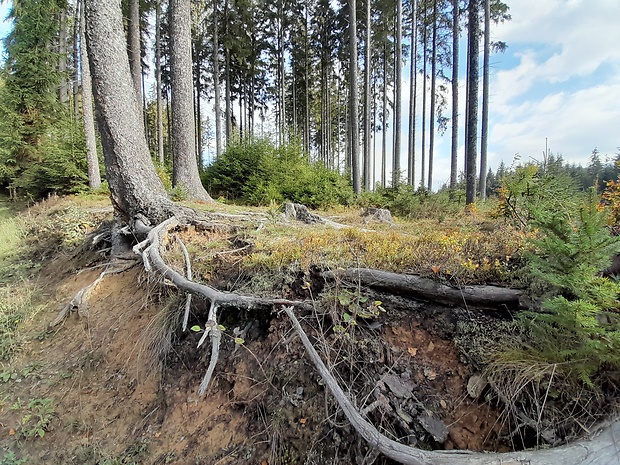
x=124, y=387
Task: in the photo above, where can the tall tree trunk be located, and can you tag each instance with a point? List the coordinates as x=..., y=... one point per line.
x=472, y=100
x=455, y=96
x=158, y=84
x=198, y=120
x=431, y=121
x=135, y=58
x=384, y=118
x=216, y=81
x=77, y=38
x=398, y=60
x=424, y=92
x=136, y=191
x=63, y=89
x=413, y=78
x=94, y=177
x=367, y=102
x=306, y=85
x=185, y=168
x=374, y=144
x=353, y=98
x=484, y=131
x=227, y=104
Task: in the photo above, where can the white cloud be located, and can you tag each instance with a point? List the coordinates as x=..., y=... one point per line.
x=560, y=46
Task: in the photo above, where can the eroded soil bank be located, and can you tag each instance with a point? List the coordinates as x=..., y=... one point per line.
x=121, y=392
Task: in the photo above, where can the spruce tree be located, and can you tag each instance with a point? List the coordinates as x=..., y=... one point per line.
x=34, y=135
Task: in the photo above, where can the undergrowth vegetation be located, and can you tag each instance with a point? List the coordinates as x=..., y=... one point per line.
x=258, y=173
x=562, y=359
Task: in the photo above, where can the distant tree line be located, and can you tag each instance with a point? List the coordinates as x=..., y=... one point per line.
x=326, y=73
x=597, y=173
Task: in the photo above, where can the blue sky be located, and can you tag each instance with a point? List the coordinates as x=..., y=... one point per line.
x=559, y=81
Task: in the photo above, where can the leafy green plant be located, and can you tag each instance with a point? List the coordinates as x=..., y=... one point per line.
x=9, y=458
x=38, y=418
x=8, y=375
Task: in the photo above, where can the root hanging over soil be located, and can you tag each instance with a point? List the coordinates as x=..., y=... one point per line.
x=601, y=448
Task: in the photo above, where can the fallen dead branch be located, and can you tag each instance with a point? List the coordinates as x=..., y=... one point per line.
x=482, y=297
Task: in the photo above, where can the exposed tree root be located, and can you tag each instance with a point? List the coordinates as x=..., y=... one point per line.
x=482, y=297
x=599, y=450
x=79, y=301
x=149, y=250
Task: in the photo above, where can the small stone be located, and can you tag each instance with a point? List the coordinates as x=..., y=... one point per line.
x=476, y=385
x=402, y=388
x=434, y=426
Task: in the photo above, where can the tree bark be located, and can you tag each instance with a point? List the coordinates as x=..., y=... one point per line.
x=136, y=191
x=216, y=81
x=384, y=119
x=63, y=90
x=483, y=297
x=455, y=96
x=185, y=167
x=367, y=102
x=158, y=84
x=75, y=79
x=94, y=177
x=424, y=67
x=472, y=104
x=353, y=98
x=413, y=81
x=484, y=129
x=431, y=142
x=398, y=60
x=135, y=58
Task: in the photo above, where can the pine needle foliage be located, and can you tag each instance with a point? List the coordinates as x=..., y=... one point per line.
x=40, y=147
x=579, y=325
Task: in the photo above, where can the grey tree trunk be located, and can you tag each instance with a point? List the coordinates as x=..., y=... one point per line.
x=94, y=177
x=136, y=191
x=216, y=82
x=455, y=95
x=353, y=99
x=185, y=167
x=484, y=129
x=472, y=107
x=413, y=78
x=384, y=118
x=431, y=120
x=367, y=102
x=133, y=38
x=159, y=103
x=228, y=106
x=424, y=67
x=398, y=63
x=77, y=22
x=63, y=89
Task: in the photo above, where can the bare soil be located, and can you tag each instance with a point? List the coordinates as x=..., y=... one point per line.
x=123, y=394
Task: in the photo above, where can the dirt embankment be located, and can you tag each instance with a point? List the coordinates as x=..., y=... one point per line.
x=121, y=392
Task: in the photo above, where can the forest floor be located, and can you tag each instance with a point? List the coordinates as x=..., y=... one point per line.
x=118, y=384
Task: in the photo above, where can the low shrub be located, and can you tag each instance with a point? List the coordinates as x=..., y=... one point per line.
x=258, y=173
